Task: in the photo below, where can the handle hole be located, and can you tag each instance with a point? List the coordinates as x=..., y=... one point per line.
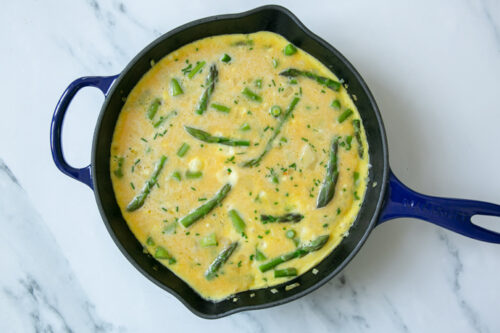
x=79, y=125
x=489, y=222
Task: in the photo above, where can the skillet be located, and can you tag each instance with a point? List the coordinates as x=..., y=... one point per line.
x=386, y=197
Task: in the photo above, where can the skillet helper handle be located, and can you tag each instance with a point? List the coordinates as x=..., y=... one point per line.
x=103, y=83
x=452, y=214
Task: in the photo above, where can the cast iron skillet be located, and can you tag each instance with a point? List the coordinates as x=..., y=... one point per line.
x=386, y=197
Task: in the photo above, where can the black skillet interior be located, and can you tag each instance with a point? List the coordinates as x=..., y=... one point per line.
x=271, y=18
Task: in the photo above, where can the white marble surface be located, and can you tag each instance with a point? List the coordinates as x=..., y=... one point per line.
x=434, y=68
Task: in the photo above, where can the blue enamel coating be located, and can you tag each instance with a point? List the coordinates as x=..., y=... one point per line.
x=103, y=83
x=452, y=214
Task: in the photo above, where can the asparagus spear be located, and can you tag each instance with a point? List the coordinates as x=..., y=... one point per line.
x=301, y=251
x=238, y=222
x=119, y=170
x=209, y=240
x=276, y=132
x=175, y=88
x=204, y=209
x=209, y=138
x=219, y=261
x=290, y=49
x=139, y=199
x=225, y=58
x=357, y=134
x=153, y=108
x=329, y=83
x=332, y=173
x=209, y=89
x=162, y=253
x=251, y=95
x=259, y=256
x=220, y=107
x=285, y=272
x=346, y=114
x=290, y=217
x=183, y=149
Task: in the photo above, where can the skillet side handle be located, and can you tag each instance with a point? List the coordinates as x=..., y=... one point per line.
x=452, y=214
x=103, y=83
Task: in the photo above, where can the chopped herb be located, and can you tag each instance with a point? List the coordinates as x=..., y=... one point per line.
x=132, y=185
x=163, y=119
x=275, y=63
x=187, y=69
x=258, y=83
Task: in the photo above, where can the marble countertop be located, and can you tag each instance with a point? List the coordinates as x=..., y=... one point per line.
x=434, y=69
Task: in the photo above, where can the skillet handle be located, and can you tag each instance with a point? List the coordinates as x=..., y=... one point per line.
x=452, y=214
x=101, y=82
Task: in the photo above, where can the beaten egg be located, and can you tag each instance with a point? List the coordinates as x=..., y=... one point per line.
x=239, y=162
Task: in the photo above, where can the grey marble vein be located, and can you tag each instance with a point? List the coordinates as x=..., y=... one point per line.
x=345, y=313
x=251, y=323
x=492, y=20
x=38, y=290
x=123, y=10
x=396, y=316
x=467, y=310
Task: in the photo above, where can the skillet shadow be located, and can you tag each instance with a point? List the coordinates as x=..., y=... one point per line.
x=370, y=271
